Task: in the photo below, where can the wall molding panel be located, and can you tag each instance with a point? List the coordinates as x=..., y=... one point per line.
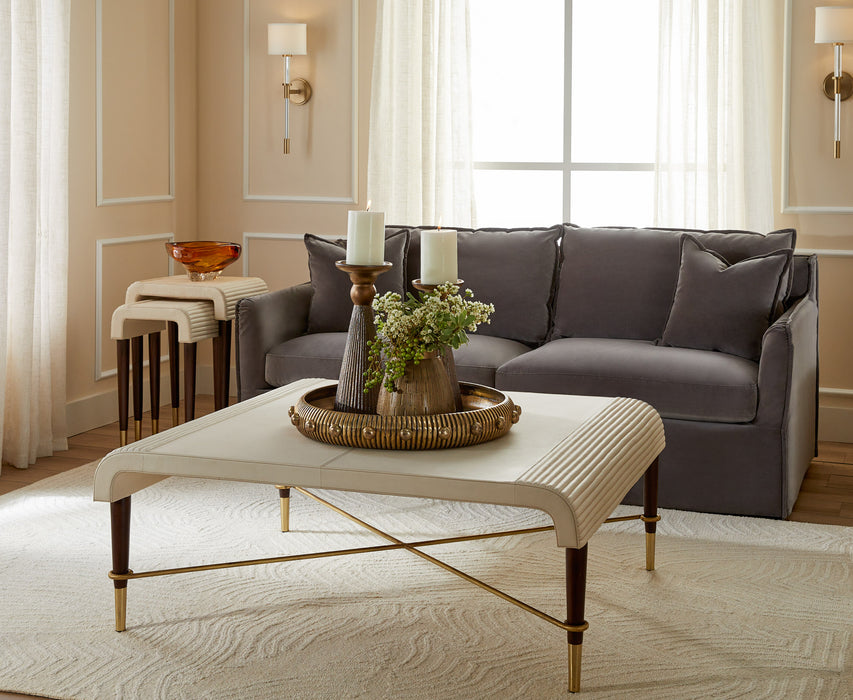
x=100, y=246
x=101, y=198
x=787, y=206
x=349, y=195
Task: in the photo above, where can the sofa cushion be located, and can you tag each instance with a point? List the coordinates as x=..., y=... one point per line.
x=331, y=306
x=680, y=383
x=724, y=307
x=313, y=355
x=514, y=269
x=320, y=355
x=479, y=358
x=620, y=282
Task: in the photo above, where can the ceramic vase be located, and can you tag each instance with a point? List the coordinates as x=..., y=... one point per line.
x=422, y=391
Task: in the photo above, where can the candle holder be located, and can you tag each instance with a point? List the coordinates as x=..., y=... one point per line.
x=446, y=353
x=351, y=396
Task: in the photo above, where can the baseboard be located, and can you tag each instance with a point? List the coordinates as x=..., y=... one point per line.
x=835, y=424
x=97, y=410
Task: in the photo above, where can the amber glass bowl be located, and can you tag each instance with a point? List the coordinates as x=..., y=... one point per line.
x=204, y=260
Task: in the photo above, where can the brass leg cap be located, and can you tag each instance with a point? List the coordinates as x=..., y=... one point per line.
x=575, y=667
x=137, y=430
x=155, y=426
x=650, y=551
x=122, y=438
x=121, y=608
x=174, y=416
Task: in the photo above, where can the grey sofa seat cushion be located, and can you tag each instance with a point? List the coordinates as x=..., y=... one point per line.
x=479, y=358
x=620, y=282
x=679, y=382
x=313, y=355
x=320, y=355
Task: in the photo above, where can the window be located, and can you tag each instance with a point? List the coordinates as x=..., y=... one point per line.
x=564, y=110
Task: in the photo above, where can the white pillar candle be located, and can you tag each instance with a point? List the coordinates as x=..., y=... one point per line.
x=365, y=238
x=438, y=256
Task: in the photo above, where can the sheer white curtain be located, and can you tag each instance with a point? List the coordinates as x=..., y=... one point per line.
x=713, y=167
x=33, y=227
x=419, y=156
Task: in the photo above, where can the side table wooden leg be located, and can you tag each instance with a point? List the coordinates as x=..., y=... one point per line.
x=174, y=370
x=154, y=380
x=650, y=512
x=284, y=504
x=136, y=355
x=225, y=331
x=190, y=354
x=120, y=531
x=218, y=360
x=123, y=377
x=575, y=600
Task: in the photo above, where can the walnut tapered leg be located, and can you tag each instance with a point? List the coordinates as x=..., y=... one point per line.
x=123, y=377
x=174, y=370
x=190, y=354
x=154, y=380
x=284, y=504
x=120, y=531
x=222, y=365
x=650, y=512
x=575, y=601
x=136, y=356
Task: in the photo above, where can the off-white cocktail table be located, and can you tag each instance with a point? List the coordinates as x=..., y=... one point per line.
x=574, y=457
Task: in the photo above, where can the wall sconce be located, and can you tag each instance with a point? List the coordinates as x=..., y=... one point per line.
x=288, y=40
x=834, y=25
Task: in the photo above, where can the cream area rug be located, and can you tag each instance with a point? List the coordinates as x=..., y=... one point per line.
x=737, y=608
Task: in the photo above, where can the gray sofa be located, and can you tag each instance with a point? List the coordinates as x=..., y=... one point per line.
x=716, y=330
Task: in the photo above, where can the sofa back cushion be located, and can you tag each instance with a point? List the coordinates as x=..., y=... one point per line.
x=514, y=269
x=620, y=282
x=331, y=306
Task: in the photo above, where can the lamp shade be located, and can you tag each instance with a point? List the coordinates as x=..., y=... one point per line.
x=833, y=25
x=286, y=39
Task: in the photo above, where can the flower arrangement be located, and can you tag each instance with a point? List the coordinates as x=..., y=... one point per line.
x=406, y=331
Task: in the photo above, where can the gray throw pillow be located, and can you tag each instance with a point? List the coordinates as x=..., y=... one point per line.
x=718, y=306
x=331, y=306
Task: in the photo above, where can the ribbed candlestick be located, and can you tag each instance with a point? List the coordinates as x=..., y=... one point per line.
x=351, y=396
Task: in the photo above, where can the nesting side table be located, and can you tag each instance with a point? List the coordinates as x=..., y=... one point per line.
x=191, y=311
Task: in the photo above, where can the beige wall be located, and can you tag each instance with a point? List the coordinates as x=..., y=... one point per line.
x=235, y=184
x=809, y=185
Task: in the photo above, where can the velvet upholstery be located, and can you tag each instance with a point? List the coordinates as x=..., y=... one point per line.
x=331, y=306
x=514, y=269
x=620, y=282
x=740, y=434
x=723, y=306
x=679, y=383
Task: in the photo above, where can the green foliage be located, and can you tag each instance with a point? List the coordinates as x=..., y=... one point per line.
x=407, y=330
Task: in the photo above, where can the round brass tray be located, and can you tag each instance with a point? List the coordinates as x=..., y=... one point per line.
x=487, y=414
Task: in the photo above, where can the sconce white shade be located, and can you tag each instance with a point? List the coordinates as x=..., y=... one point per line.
x=286, y=39
x=833, y=25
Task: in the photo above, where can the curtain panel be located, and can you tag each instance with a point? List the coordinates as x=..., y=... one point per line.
x=420, y=168
x=713, y=160
x=34, y=38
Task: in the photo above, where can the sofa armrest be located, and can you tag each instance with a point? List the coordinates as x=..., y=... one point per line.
x=263, y=322
x=788, y=384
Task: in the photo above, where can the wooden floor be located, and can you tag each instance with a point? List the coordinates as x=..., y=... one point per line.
x=826, y=495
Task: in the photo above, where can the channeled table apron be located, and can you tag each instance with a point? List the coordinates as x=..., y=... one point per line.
x=574, y=457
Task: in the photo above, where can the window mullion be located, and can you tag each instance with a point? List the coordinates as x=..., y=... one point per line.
x=567, y=111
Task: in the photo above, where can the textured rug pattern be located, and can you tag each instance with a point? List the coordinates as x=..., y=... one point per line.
x=737, y=608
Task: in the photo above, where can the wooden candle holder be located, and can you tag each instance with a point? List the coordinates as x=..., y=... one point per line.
x=351, y=396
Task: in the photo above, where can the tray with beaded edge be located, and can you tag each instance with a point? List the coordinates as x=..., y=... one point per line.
x=486, y=414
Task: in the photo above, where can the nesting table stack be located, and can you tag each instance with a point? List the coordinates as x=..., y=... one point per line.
x=190, y=311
